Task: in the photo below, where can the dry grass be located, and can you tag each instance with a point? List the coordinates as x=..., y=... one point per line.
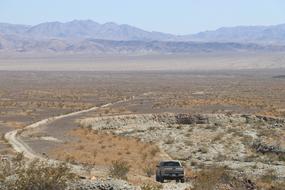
x=268, y=181
x=35, y=175
x=119, y=169
x=148, y=186
x=14, y=124
x=103, y=149
x=217, y=178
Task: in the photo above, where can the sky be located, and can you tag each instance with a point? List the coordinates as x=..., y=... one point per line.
x=170, y=16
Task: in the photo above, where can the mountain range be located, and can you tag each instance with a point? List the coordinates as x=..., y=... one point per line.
x=92, y=37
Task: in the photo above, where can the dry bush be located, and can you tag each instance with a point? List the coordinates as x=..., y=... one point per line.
x=189, y=174
x=203, y=150
x=119, y=169
x=169, y=141
x=218, y=137
x=269, y=176
x=208, y=179
x=2, y=136
x=35, y=175
x=151, y=187
x=269, y=181
x=103, y=148
x=149, y=170
x=271, y=186
x=188, y=143
x=154, y=151
x=219, y=178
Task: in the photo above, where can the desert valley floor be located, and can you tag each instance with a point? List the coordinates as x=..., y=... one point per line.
x=231, y=119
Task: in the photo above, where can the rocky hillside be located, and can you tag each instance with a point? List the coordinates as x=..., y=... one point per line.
x=15, y=44
x=86, y=36
x=244, y=34
x=252, y=145
x=111, y=31
x=83, y=29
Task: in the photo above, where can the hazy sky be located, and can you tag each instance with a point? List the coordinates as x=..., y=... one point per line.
x=172, y=16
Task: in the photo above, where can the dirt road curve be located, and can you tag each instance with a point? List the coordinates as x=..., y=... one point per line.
x=19, y=146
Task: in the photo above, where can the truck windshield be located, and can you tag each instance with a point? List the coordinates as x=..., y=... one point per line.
x=171, y=164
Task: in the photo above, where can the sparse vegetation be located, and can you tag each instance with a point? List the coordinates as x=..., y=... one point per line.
x=119, y=169
x=104, y=148
x=218, y=177
x=154, y=151
x=151, y=187
x=33, y=175
x=149, y=170
x=229, y=137
x=169, y=141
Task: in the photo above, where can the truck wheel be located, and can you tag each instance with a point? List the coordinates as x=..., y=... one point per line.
x=161, y=180
x=182, y=180
x=157, y=178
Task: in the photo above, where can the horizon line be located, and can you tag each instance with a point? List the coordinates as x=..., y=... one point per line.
x=120, y=24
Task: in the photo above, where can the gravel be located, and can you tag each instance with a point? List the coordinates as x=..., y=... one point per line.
x=110, y=184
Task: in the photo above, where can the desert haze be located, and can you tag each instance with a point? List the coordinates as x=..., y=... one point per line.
x=96, y=106
x=172, y=62
x=90, y=37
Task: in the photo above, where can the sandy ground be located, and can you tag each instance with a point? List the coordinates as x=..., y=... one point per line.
x=30, y=96
x=192, y=62
x=12, y=137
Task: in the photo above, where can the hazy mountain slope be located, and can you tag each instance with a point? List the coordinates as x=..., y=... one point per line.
x=83, y=29
x=244, y=34
x=14, y=44
x=89, y=36
x=9, y=29
x=91, y=29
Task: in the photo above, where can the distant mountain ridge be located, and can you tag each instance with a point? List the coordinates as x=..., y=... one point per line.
x=80, y=29
x=244, y=34
x=89, y=36
x=112, y=31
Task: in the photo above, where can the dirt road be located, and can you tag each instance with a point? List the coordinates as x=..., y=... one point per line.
x=21, y=147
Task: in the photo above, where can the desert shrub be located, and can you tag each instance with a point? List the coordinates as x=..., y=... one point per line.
x=2, y=136
x=188, y=143
x=149, y=171
x=151, y=187
x=193, y=163
x=217, y=178
x=281, y=157
x=277, y=186
x=189, y=174
x=220, y=157
x=269, y=176
x=208, y=179
x=154, y=151
x=169, y=141
x=269, y=181
x=218, y=137
x=34, y=175
x=119, y=169
x=203, y=150
x=89, y=128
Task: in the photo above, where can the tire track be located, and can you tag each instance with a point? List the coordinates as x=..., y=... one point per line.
x=20, y=146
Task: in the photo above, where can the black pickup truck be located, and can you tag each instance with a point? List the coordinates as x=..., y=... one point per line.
x=170, y=170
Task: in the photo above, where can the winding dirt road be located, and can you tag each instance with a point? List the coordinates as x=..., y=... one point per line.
x=20, y=146
x=13, y=138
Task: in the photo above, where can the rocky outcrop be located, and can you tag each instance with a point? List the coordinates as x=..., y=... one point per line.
x=110, y=184
x=191, y=119
x=264, y=148
x=206, y=140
